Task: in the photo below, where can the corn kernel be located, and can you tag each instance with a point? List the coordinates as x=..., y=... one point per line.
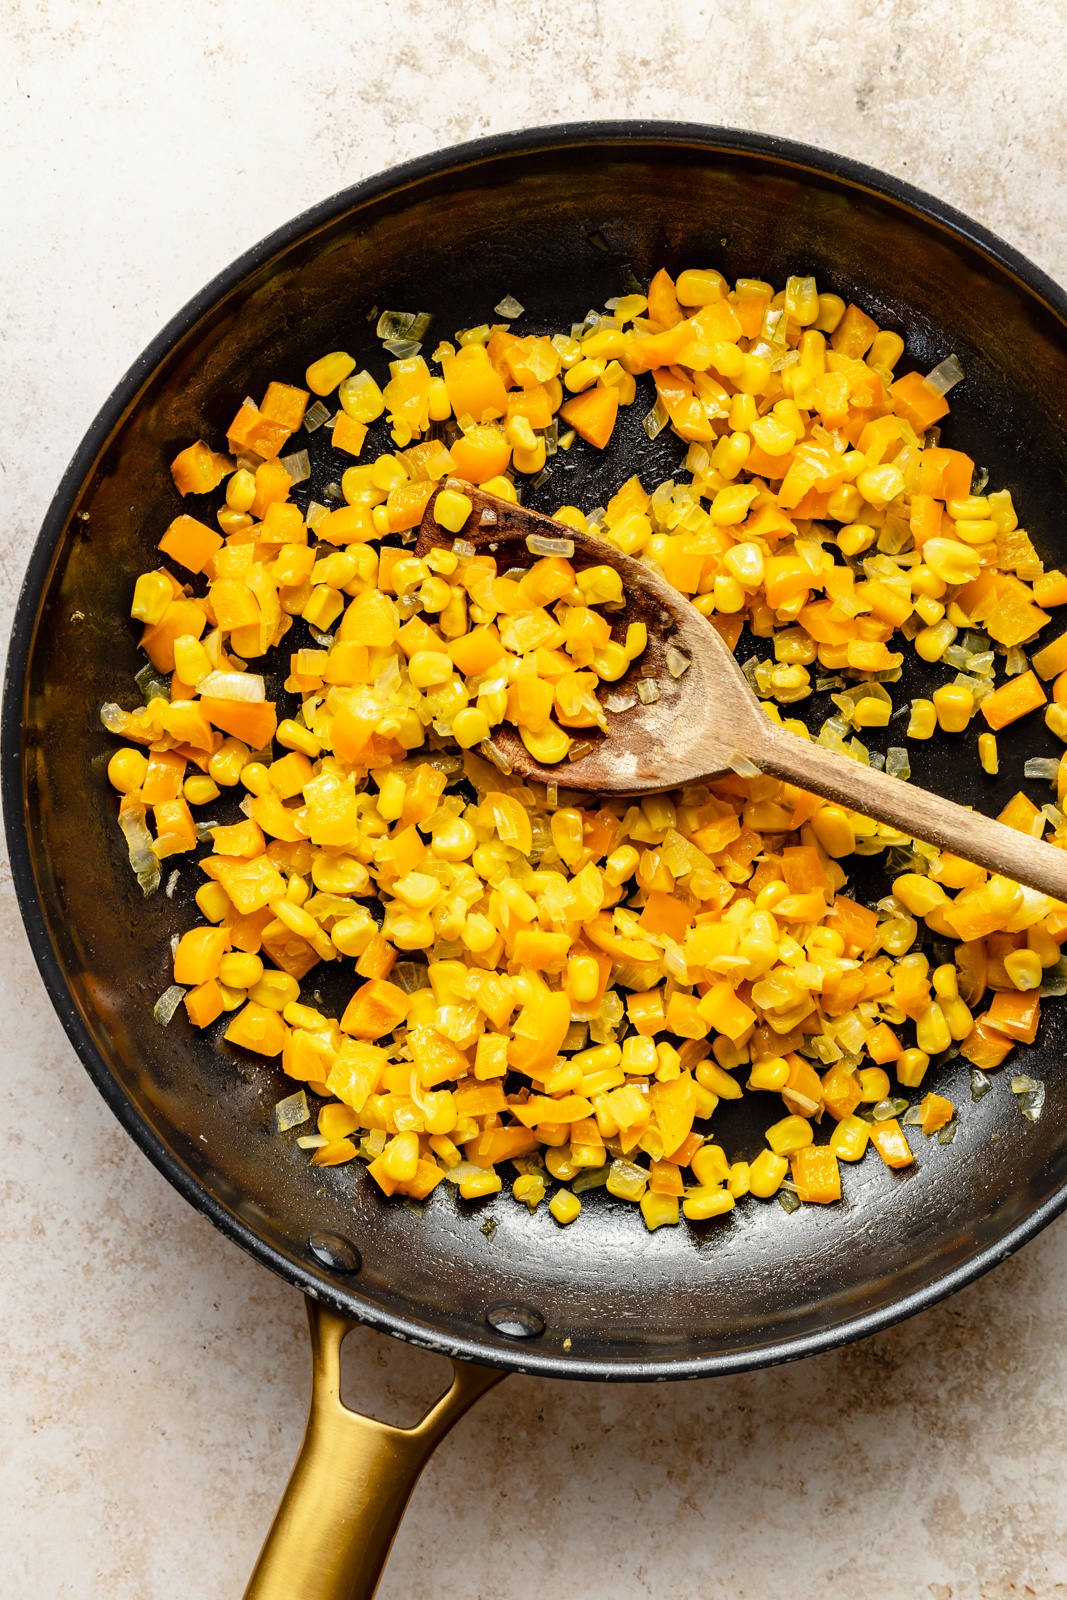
x=564, y=1206
x=200, y=790
x=324, y=375
x=987, y=753
x=1023, y=968
x=766, y=1173
x=451, y=510
x=954, y=705
x=923, y=719
x=911, y=1065
x=126, y=770
x=240, y=971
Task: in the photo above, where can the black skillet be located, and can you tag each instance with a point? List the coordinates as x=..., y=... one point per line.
x=561, y=219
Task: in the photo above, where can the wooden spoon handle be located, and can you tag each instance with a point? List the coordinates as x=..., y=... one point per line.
x=914, y=811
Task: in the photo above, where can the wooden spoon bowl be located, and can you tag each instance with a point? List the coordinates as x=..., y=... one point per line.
x=707, y=721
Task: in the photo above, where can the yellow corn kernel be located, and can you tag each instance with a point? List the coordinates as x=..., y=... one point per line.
x=548, y=746
x=918, y=894
x=502, y=487
x=946, y=982
x=294, y=736
x=323, y=606
x=324, y=375
x=256, y=778
x=871, y=713
x=791, y=1134
x=455, y=841
x=435, y=594
x=1023, y=968
x=951, y=561
x=987, y=753
x=954, y=705
x=478, y=1184
x=929, y=611
x=191, y=660
x=923, y=719
x=770, y=1074
x=564, y=1206
x=744, y=563
x=700, y=1204
x=451, y=510
x=910, y=1066
x=932, y=1031
x=766, y=1173
x=880, y=485
x=1044, y=946
x=200, y=790
x=214, y=903
x=228, y=762
x=886, y=350
x=856, y=538
x=241, y=490
x=392, y=792
x=850, y=1138
x=126, y=770
x=931, y=643
x=240, y=971
x=529, y=1189
x=874, y=1084
x=1056, y=720
x=429, y=668
x=470, y=726
x=275, y=989
x=833, y=828
x=600, y=586
x=710, y=1166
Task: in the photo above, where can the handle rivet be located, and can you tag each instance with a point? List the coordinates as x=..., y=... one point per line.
x=332, y=1251
x=516, y=1322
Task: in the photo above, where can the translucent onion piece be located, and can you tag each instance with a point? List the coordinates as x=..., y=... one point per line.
x=647, y=691
x=590, y=1178
x=580, y=748
x=167, y=1004
x=1030, y=1094
x=151, y=685
x=324, y=639
x=116, y=720
x=1015, y=661
x=677, y=663
x=946, y=1134
x=315, y=416
x=980, y=1083
x=1055, y=816
x=333, y=491
x=979, y=480
x=233, y=686
x=539, y=545
x=373, y=1144
x=945, y=375
x=542, y=477
x=509, y=307
x=312, y=1141
x=1041, y=767
x=898, y=762
x=912, y=1116
x=292, y=1111
x=139, y=844
x=172, y=884
x=315, y=514
x=552, y=795
x=743, y=766
x=403, y=324
x=493, y=753
x=297, y=465
x=877, y=761
x=788, y=1200
x=625, y=701
x=656, y=420
x=403, y=349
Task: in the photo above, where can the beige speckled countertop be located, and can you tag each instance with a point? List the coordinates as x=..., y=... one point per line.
x=155, y=1379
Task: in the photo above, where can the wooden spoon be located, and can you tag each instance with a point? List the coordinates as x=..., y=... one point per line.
x=707, y=719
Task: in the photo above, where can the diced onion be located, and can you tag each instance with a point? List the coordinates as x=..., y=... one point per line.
x=139, y=844
x=297, y=465
x=677, y=663
x=980, y=1084
x=540, y=544
x=312, y=1141
x=315, y=416
x=743, y=766
x=291, y=1112
x=898, y=762
x=619, y=702
x=648, y=691
x=509, y=307
x=403, y=349
x=945, y=375
x=1041, y=767
x=167, y=1004
x=493, y=753
x=656, y=420
x=233, y=686
x=403, y=324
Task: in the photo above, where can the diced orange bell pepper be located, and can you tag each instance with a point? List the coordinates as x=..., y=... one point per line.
x=1051, y=588
x=723, y=1011
x=883, y=1044
x=985, y=1047
x=684, y=1018
x=480, y=454
x=198, y=469
x=180, y=617
x=665, y=913
x=1050, y=661
x=918, y=402
x=204, y=1003
x=500, y=1144
x=376, y=1008
x=891, y=1143
x=1015, y=1014
x=258, y=1028
x=674, y=1106
x=253, y=721
x=856, y=925
x=936, y=1113
x=251, y=885
x=538, y=1032
x=841, y=1091
x=191, y=543
x=816, y=1174
x=592, y=414
x=348, y=435
x=541, y=952
x=251, y=430
x=854, y=334
x=663, y=304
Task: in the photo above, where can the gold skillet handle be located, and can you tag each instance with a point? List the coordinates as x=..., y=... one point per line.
x=351, y=1482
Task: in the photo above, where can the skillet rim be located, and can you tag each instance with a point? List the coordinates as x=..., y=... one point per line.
x=491, y=1350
